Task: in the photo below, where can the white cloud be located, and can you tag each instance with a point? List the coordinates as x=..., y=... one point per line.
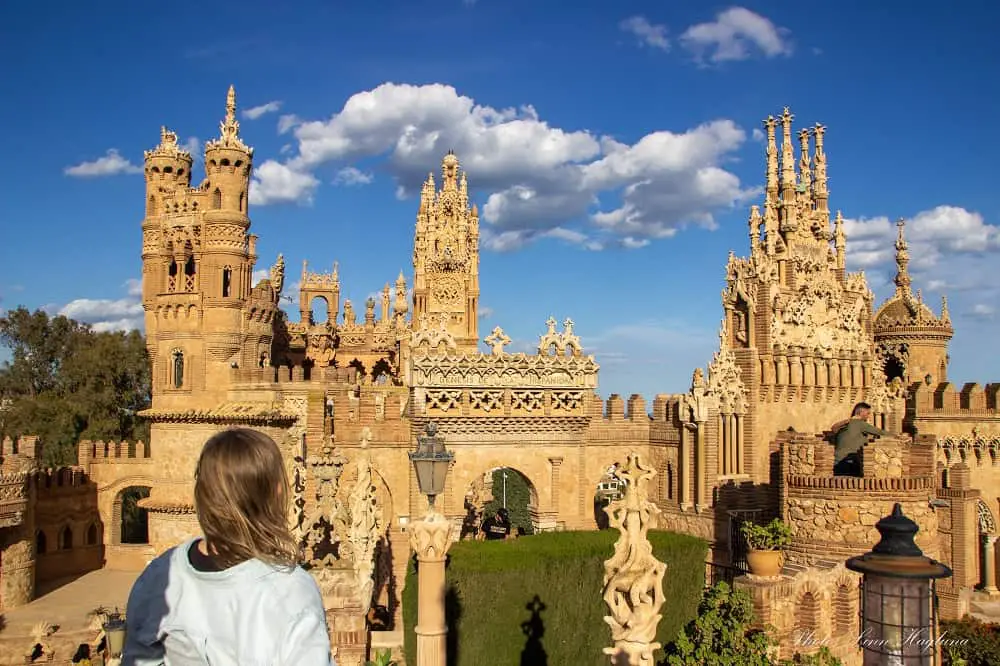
x=982, y=311
x=736, y=34
x=288, y=122
x=274, y=182
x=485, y=312
x=757, y=134
x=952, y=250
x=123, y=314
x=255, y=112
x=537, y=180
x=351, y=176
x=649, y=34
x=112, y=164
x=193, y=145
x=258, y=275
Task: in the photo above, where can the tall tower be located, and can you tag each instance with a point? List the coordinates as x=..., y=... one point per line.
x=446, y=257
x=198, y=260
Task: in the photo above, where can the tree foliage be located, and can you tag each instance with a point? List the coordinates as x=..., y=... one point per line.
x=65, y=382
x=518, y=498
x=722, y=634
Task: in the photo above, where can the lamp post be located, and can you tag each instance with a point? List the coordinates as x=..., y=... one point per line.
x=898, y=599
x=430, y=538
x=114, y=636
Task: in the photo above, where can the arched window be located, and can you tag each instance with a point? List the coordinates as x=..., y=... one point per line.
x=66, y=538
x=151, y=206
x=178, y=368
x=41, y=545
x=92, y=535
x=190, y=268
x=227, y=280
x=217, y=199
x=172, y=276
x=243, y=202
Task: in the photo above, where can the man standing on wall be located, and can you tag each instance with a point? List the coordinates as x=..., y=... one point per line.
x=849, y=438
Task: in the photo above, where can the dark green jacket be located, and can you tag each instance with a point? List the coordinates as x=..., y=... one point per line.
x=853, y=436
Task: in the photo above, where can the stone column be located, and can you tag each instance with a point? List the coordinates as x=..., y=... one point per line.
x=989, y=564
x=17, y=584
x=684, y=470
x=700, y=472
x=554, y=481
x=431, y=538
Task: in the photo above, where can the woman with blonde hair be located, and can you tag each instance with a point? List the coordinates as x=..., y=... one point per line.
x=236, y=595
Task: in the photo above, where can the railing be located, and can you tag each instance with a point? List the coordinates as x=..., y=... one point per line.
x=721, y=573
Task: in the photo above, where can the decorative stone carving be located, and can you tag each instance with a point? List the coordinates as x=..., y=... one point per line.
x=433, y=334
x=431, y=537
x=554, y=343
x=278, y=274
x=633, y=578
x=497, y=340
x=327, y=523
x=366, y=523
x=507, y=370
x=822, y=315
x=724, y=378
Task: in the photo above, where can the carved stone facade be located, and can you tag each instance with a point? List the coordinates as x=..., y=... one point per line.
x=345, y=396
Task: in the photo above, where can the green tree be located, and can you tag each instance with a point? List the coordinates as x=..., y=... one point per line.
x=64, y=382
x=722, y=634
x=518, y=498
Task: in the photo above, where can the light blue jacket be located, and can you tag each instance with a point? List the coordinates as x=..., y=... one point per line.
x=251, y=614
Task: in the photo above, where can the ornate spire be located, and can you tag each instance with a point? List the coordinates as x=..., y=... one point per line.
x=229, y=128
x=449, y=171
x=840, y=240
x=787, y=151
x=755, y=222
x=805, y=167
x=902, y=260
x=168, y=147
x=772, y=161
x=820, y=193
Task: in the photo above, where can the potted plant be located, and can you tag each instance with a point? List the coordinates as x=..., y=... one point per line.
x=383, y=658
x=766, y=544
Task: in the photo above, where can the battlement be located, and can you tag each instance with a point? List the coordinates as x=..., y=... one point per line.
x=52, y=482
x=95, y=452
x=945, y=400
x=368, y=404
x=25, y=447
x=835, y=516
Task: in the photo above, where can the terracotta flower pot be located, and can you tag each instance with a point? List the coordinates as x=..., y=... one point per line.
x=766, y=563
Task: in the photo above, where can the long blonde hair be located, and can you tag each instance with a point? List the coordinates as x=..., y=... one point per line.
x=241, y=498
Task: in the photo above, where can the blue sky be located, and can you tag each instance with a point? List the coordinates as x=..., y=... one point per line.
x=611, y=148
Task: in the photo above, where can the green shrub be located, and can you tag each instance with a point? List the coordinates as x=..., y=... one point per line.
x=969, y=642
x=773, y=536
x=537, y=600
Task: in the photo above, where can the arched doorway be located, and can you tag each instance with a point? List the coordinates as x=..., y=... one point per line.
x=501, y=488
x=608, y=489
x=131, y=520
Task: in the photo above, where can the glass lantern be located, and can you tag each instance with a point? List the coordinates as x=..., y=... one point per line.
x=114, y=633
x=898, y=597
x=431, y=461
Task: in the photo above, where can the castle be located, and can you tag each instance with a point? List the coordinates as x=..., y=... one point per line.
x=801, y=341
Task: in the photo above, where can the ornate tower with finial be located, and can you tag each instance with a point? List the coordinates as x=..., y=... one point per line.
x=797, y=324
x=446, y=257
x=910, y=340
x=198, y=260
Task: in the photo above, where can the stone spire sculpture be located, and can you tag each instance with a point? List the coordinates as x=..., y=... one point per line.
x=633, y=578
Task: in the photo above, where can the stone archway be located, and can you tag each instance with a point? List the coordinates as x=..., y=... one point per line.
x=129, y=521
x=502, y=486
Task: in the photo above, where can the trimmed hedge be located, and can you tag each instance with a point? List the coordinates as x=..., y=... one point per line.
x=493, y=586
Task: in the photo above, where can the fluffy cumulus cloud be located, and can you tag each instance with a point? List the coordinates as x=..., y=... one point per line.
x=647, y=34
x=952, y=250
x=255, y=112
x=122, y=314
x=111, y=164
x=736, y=34
x=535, y=180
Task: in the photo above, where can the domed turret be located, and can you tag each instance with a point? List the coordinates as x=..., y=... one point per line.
x=910, y=338
x=167, y=170
x=228, y=162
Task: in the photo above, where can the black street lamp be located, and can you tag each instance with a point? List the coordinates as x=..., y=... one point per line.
x=431, y=461
x=898, y=599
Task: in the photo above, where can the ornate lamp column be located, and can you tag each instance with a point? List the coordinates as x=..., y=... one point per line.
x=431, y=538
x=898, y=599
x=633, y=578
